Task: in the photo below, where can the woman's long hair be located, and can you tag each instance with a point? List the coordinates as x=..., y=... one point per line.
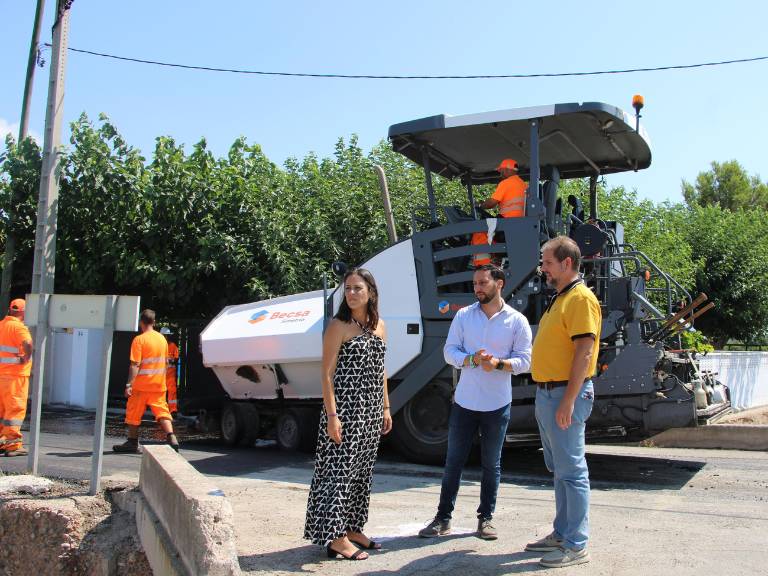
x=345, y=314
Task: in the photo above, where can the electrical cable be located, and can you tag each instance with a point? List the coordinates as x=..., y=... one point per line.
x=415, y=77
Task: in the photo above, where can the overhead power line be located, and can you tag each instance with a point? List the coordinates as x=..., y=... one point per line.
x=418, y=77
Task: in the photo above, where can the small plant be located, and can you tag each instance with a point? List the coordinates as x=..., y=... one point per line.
x=695, y=340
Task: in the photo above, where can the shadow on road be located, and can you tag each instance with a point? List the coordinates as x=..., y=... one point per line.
x=490, y=565
x=290, y=560
x=295, y=560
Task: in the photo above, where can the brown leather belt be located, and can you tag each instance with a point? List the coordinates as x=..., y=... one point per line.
x=554, y=384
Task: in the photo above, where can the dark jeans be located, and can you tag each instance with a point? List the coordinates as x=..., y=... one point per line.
x=463, y=426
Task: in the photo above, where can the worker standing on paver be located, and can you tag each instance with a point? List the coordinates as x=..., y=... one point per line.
x=170, y=374
x=563, y=361
x=509, y=195
x=15, y=367
x=509, y=198
x=146, y=384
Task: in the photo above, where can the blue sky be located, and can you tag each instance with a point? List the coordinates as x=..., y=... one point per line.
x=693, y=116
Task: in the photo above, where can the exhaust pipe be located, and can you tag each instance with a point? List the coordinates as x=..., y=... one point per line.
x=388, y=216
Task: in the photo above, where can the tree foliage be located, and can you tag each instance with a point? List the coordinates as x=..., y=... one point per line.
x=190, y=232
x=733, y=271
x=726, y=185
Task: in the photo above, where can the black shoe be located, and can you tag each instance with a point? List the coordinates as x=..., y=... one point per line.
x=173, y=442
x=127, y=447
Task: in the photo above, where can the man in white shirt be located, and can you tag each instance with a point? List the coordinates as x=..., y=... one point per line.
x=488, y=341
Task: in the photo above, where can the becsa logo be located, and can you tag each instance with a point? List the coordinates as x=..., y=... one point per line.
x=258, y=317
x=444, y=307
x=293, y=316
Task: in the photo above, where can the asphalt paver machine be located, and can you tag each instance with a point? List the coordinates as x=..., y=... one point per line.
x=267, y=354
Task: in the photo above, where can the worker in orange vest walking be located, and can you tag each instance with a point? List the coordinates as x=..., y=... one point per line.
x=15, y=366
x=170, y=374
x=146, y=384
x=509, y=196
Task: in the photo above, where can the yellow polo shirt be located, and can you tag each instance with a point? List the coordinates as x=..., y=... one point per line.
x=573, y=313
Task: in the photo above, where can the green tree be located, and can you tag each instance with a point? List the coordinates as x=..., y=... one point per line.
x=733, y=271
x=20, y=180
x=727, y=185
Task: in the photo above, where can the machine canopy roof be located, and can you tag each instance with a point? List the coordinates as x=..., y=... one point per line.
x=579, y=139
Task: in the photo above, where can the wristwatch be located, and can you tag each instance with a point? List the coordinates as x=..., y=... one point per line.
x=500, y=365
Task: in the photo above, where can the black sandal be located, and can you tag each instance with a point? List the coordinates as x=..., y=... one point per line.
x=333, y=553
x=372, y=544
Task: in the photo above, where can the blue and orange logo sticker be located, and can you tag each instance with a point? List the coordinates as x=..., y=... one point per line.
x=258, y=317
x=443, y=306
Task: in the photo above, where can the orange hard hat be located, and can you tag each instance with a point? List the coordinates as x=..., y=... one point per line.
x=507, y=163
x=18, y=305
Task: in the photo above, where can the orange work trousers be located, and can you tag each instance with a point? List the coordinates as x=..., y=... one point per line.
x=13, y=408
x=138, y=402
x=173, y=404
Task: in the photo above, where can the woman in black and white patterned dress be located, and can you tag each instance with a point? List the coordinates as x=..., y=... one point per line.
x=356, y=414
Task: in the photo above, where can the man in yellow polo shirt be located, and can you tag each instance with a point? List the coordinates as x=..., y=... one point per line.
x=563, y=361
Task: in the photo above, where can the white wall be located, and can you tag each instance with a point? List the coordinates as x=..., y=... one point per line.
x=745, y=373
x=75, y=368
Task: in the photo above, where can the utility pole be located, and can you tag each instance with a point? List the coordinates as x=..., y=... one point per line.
x=44, y=266
x=10, y=236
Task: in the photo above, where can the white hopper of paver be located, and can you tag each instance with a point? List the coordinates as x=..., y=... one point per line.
x=258, y=348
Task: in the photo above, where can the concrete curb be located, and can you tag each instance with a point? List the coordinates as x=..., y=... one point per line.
x=195, y=516
x=725, y=436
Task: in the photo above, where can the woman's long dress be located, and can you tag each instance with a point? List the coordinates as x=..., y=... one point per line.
x=341, y=485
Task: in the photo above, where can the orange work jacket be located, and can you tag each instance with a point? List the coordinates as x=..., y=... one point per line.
x=150, y=351
x=510, y=193
x=13, y=333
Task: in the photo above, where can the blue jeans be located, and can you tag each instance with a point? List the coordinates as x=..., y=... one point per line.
x=564, y=456
x=462, y=428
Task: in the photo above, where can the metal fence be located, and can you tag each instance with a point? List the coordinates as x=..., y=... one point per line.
x=745, y=373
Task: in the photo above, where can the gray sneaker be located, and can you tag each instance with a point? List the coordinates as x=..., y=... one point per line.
x=485, y=529
x=436, y=528
x=549, y=543
x=563, y=557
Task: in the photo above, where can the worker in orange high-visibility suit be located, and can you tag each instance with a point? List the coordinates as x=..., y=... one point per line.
x=15, y=366
x=480, y=258
x=170, y=374
x=146, y=384
x=509, y=196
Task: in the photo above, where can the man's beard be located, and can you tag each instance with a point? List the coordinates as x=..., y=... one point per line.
x=487, y=296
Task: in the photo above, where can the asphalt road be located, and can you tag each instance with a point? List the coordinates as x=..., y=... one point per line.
x=654, y=511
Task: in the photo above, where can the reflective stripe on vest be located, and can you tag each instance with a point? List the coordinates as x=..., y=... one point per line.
x=10, y=360
x=513, y=207
x=154, y=360
x=482, y=258
x=151, y=371
x=12, y=423
x=11, y=349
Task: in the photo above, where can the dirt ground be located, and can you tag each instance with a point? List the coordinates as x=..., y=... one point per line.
x=757, y=415
x=65, y=531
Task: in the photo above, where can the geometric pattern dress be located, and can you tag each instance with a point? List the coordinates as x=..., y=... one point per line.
x=341, y=485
